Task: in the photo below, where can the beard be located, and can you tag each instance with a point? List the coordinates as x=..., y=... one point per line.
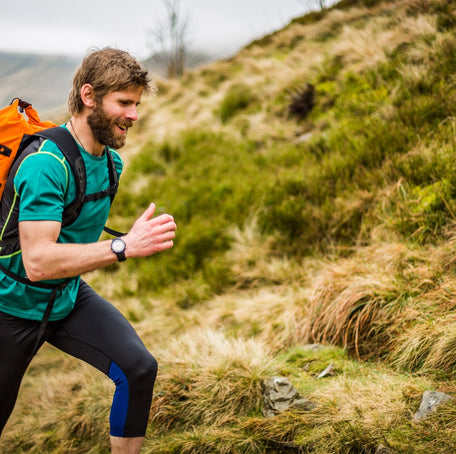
x=103, y=127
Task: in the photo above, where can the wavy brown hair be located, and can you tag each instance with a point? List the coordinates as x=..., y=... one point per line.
x=107, y=70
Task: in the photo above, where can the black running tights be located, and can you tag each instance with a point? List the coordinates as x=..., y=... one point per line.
x=96, y=332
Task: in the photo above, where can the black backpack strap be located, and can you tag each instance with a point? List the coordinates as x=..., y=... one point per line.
x=113, y=232
x=114, y=184
x=113, y=181
x=113, y=177
x=68, y=146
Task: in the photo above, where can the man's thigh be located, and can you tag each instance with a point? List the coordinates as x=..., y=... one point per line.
x=97, y=332
x=17, y=340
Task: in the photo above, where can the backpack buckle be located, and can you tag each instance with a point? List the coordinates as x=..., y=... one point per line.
x=22, y=104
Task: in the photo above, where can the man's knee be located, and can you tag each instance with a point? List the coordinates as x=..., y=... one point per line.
x=143, y=372
x=148, y=368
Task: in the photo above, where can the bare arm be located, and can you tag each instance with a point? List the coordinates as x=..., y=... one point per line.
x=45, y=259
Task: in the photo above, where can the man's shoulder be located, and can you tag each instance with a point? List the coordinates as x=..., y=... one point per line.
x=115, y=154
x=118, y=161
x=47, y=160
x=48, y=156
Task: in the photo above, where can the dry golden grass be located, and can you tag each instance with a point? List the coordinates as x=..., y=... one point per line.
x=70, y=409
x=428, y=347
x=360, y=43
x=352, y=300
x=388, y=300
x=253, y=258
x=209, y=377
x=269, y=314
x=365, y=47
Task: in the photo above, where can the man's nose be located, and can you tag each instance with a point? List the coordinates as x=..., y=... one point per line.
x=132, y=113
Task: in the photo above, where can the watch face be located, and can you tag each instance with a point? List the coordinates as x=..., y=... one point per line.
x=118, y=245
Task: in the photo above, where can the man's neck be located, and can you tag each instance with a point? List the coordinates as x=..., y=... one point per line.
x=83, y=135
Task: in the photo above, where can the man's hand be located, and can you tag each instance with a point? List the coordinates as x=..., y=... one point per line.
x=150, y=235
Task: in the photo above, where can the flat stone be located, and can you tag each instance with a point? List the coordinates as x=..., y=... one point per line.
x=279, y=395
x=382, y=449
x=430, y=402
x=327, y=372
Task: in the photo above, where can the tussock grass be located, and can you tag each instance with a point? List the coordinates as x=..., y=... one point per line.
x=353, y=301
x=211, y=379
x=337, y=230
x=428, y=348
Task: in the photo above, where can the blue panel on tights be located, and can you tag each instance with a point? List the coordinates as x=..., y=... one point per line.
x=119, y=407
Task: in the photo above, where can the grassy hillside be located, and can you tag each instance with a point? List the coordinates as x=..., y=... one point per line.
x=334, y=227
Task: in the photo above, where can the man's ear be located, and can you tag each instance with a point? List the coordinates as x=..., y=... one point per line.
x=87, y=95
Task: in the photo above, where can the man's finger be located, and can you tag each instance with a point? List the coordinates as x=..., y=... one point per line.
x=148, y=213
x=164, y=219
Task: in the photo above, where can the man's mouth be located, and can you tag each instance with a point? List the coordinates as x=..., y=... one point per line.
x=124, y=127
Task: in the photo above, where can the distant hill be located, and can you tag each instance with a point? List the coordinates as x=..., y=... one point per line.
x=43, y=80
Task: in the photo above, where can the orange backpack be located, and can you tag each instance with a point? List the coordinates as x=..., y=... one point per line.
x=13, y=126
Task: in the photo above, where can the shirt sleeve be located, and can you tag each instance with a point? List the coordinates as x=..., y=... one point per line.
x=41, y=182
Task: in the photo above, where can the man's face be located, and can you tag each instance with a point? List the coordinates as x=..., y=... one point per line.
x=113, y=115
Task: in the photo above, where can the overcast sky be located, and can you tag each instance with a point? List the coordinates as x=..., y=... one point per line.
x=72, y=27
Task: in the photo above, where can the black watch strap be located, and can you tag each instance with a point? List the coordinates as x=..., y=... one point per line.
x=118, y=246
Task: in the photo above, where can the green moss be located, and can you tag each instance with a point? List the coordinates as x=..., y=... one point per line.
x=237, y=99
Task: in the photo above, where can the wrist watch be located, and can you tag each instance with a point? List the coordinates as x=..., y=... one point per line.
x=118, y=246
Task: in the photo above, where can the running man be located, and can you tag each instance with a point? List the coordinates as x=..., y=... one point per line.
x=107, y=89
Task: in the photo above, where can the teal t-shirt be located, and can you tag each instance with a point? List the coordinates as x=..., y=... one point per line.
x=44, y=185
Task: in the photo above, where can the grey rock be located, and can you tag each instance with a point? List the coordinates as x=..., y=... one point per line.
x=430, y=402
x=279, y=395
x=382, y=449
x=305, y=137
x=314, y=347
x=328, y=371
